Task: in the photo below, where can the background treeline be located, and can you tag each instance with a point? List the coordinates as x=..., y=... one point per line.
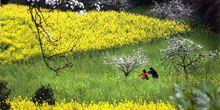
x=206, y=11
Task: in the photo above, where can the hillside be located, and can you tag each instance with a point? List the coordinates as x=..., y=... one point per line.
x=89, y=83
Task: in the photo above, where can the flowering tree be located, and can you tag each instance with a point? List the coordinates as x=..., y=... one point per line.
x=184, y=54
x=174, y=9
x=127, y=63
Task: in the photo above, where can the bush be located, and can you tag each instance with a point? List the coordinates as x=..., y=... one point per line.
x=4, y=46
x=205, y=97
x=44, y=94
x=4, y=93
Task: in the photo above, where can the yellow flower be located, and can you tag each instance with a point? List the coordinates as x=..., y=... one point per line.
x=24, y=104
x=92, y=31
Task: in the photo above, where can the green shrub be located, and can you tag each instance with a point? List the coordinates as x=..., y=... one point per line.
x=44, y=94
x=206, y=97
x=4, y=93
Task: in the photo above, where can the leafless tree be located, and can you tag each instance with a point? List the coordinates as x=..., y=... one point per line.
x=58, y=61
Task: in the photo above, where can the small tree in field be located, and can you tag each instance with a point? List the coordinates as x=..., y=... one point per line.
x=184, y=54
x=127, y=63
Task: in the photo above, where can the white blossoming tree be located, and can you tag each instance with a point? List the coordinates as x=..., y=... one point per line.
x=174, y=9
x=127, y=63
x=184, y=54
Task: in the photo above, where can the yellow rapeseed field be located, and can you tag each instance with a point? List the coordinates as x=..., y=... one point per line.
x=23, y=104
x=92, y=31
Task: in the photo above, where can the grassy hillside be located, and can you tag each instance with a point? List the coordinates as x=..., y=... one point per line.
x=89, y=79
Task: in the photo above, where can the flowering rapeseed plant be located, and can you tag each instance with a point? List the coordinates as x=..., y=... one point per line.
x=24, y=104
x=91, y=31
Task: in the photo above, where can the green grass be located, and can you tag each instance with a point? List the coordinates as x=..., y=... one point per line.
x=90, y=80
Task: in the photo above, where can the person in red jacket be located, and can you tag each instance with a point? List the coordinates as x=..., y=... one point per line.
x=144, y=75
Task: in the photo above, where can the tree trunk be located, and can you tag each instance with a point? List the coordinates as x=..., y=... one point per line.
x=186, y=74
x=177, y=76
x=126, y=74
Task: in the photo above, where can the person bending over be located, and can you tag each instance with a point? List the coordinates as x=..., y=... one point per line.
x=153, y=72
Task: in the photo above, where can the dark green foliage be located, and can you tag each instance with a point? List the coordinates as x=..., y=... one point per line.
x=4, y=1
x=44, y=94
x=205, y=97
x=145, y=2
x=4, y=93
x=23, y=2
x=208, y=11
x=4, y=106
x=4, y=46
x=141, y=2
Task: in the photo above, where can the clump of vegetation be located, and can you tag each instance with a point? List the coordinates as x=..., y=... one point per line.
x=4, y=93
x=44, y=94
x=127, y=63
x=4, y=46
x=206, y=97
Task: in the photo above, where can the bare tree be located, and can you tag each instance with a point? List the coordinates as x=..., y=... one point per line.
x=54, y=61
x=57, y=61
x=127, y=63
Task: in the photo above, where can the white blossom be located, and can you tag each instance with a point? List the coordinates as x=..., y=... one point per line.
x=184, y=53
x=174, y=9
x=127, y=63
x=71, y=4
x=81, y=12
